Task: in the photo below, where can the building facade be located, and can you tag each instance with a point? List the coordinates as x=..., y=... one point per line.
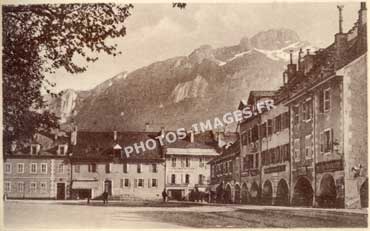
x=36, y=168
x=187, y=167
x=327, y=98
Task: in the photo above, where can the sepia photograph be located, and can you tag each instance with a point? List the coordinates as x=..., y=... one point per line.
x=184, y=115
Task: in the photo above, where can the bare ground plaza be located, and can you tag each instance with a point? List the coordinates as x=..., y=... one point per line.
x=170, y=215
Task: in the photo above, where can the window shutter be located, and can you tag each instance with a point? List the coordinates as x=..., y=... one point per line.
x=322, y=142
x=135, y=183
x=321, y=101
x=331, y=139
x=148, y=183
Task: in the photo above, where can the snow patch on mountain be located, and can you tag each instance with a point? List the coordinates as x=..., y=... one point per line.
x=235, y=57
x=190, y=89
x=283, y=53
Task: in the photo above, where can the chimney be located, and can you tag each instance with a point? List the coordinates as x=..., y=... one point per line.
x=300, y=66
x=115, y=135
x=147, y=127
x=13, y=146
x=340, y=9
x=362, y=14
x=56, y=134
x=308, y=51
x=340, y=42
x=74, y=136
x=292, y=68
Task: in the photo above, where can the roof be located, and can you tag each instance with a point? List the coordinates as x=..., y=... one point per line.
x=256, y=95
x=228, y=152
x=101, y=146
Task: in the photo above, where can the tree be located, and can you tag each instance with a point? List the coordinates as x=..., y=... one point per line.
x=38, y=39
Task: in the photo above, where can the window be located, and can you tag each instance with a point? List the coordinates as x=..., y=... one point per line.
x=201, y=179
x=255, y=133
x=154, y=168
x=285, y=120
x=138, y=168
x=44, y=168
x=33, y=186
x=296, y=114
x=20, y=168
x=154, y=182
x=182, y=162
x=33, y=168
x=326, y=141
x=62, y=149
x=263, y=130
x=140, y=183
x=127, y=182
x=124, y=168
x=257, y=160
x=20, y=186
x=35, y=148
x=326, y=100
x=187, y=162
x=60, y=168
x=8, y=187
x=244, y=139
x=173, y=179
x=308, y=146
x=269, y=127
x=201, y=163
x=107, y=168
x=187, y=179
x=297, y=150
x=8, y=168
x=173, y=162
x=92, y=167
x=77, y=168
x=43, y=186
x=278, y=123
x=307, y=110
x=248, y=162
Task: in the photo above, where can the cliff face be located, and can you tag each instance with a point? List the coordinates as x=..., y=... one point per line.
x=181, y=91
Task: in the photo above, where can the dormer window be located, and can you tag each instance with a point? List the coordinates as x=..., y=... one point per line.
x=62, y=149
x=35, y=149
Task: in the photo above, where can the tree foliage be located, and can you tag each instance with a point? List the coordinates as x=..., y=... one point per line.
x=38, y=39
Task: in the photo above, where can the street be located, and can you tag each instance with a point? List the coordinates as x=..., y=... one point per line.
x=76, y=215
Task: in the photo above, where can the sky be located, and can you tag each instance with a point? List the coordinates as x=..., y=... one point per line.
x=157, y=32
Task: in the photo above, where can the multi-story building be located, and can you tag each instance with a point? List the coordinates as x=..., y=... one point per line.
x=187, y=167
x=250, y=154
x=224, y=171
x=326, y=93
x=100, y=164
x=275, y=155
x=35, y=168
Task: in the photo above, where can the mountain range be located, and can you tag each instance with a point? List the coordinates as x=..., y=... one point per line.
x=184, y=90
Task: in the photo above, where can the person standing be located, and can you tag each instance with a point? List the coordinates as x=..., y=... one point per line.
x=164, y=195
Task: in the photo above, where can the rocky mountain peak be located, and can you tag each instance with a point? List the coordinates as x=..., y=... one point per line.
x=274, y=39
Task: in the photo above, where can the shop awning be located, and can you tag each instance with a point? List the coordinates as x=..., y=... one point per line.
x=84, y=184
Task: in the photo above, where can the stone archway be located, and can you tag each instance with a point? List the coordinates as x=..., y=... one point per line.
x=303, y=193
x=364, y=194
x=237, y=196
x=227, y=195
x=282, y=193
x=244, y=194
x=267, y=193
x=327, y=192
x=254, y=194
